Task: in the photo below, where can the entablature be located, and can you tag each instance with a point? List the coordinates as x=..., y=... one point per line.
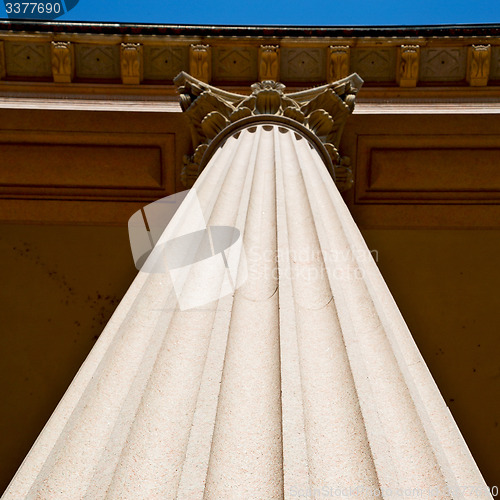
x=144, y=58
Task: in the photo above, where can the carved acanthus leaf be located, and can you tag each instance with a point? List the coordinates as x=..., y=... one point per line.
x=323, y=110
x=409, y=61
x=190, y=168
x=320, y=122
x=63, y=64
x=131, y=63
x=294, y=114
x=200, y=62
x=240, y=113
x=269, y=63
x=478, y=70
x=200, y=108
x=213, y=123
x=337, y=62
x=344, y=178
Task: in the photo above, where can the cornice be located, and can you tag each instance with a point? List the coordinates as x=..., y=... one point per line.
x=461, y=58
x=447, y=30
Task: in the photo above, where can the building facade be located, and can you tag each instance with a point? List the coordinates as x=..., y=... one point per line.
x=92, y=131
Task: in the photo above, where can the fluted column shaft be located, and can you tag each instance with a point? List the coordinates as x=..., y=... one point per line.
x=304, y=381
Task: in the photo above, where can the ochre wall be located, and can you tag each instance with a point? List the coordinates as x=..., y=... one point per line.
x=61, y=283
x=446, y=283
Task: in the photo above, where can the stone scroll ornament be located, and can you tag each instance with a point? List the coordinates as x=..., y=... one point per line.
x=322, y=110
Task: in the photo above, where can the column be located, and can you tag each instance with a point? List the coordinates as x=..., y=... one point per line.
x=259, y=353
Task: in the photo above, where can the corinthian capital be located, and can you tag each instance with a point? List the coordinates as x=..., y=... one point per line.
x=321, y=112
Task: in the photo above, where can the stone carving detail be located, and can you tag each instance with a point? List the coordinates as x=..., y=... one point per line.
x=2, y=61
x=102, y=61
x=163, y=63
x=408, y=65
x=269, y=62
x=478, y=69
x=131, y=63
x=238, y=64
x=63, y=62
x=442, y=64
x=378, y=65
x=190, y=166
x=344, y=177
x=28, y=59
x=323, y=110
x=200, y=62
x=337, y=63
x=303, y=64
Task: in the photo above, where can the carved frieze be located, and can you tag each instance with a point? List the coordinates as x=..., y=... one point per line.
x=200, y=62
x=296, y=61
x=2, y=61
x=28, y=59
x=478, y=67
x=163, y=63
x=302, y=65
x=377, y=64
x=322, y=110
x=63, y=62
x=269, y=63
x=235, y=64
x=408, y=65
x=338, y=61
x=97, y=61
x=442, y=64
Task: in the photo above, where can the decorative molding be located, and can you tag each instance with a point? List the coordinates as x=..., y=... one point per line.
x=200, y=62
x=233, y=61
x=269, y=63
x=98, y=61
x=322, y=110
x=338, y=62
x=164, y=62
x=478, y=67
x=408, y=65
x=2, y=61
x=86, y=165
x=131, y=63
x=235, y=64
x=302, y=64
x=443, y=64
x=400, y=168
x=63, y=62
x=375, y=64
x=28, y=59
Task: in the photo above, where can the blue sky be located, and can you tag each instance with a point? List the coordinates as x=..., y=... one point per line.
x=285, y=12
